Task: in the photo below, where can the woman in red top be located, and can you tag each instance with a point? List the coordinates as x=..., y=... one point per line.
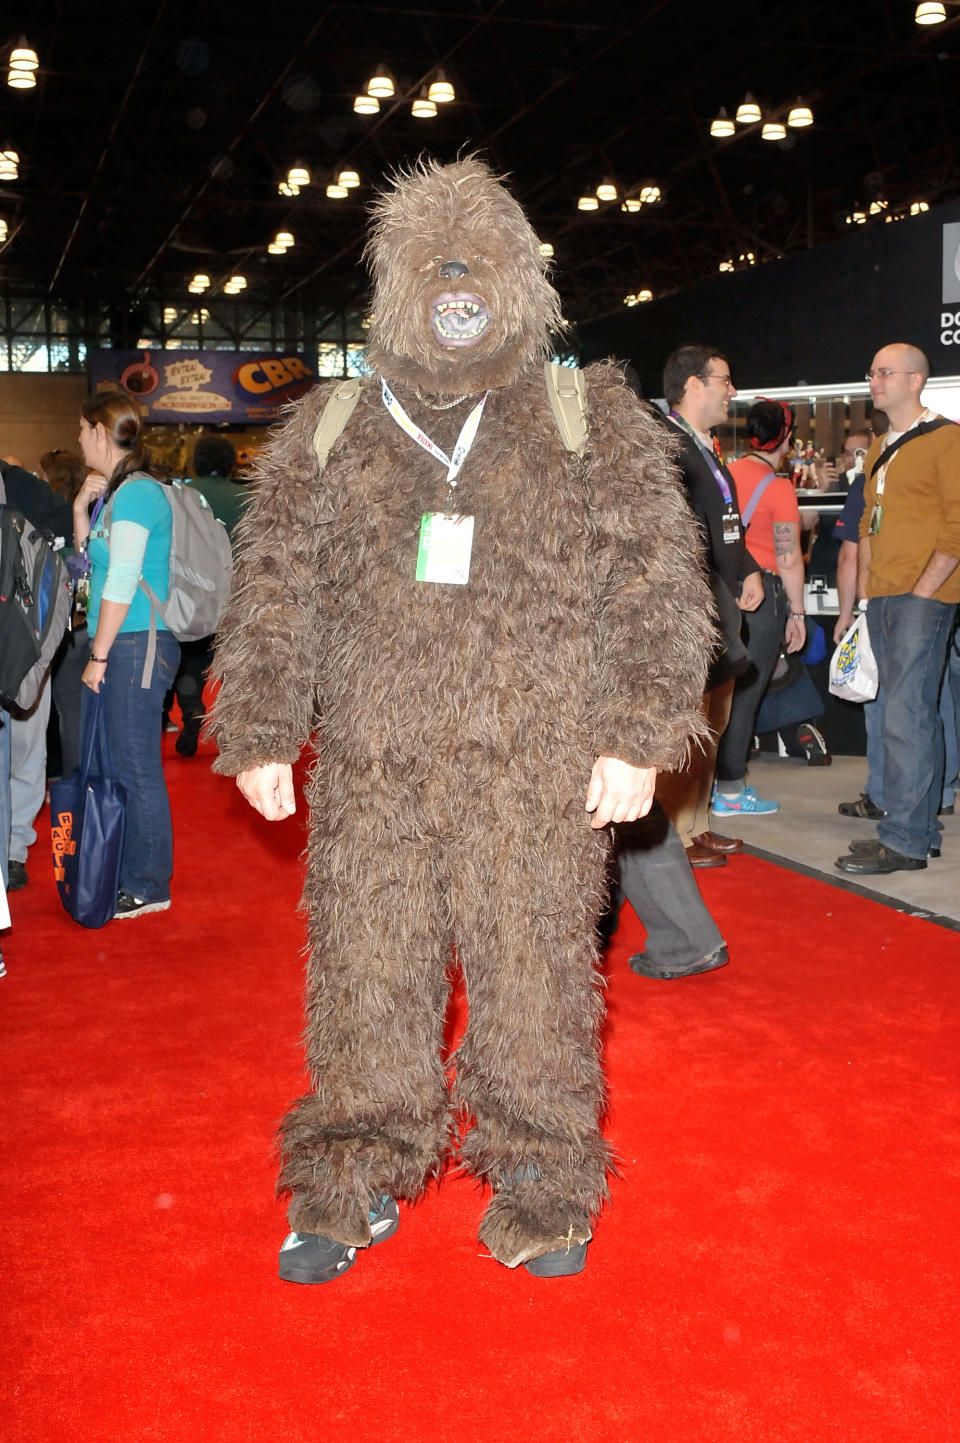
x=771, y=519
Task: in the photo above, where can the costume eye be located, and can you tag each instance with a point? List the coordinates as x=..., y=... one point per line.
x=482, y=260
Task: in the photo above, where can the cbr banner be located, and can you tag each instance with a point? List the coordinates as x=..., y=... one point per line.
x=238, y=386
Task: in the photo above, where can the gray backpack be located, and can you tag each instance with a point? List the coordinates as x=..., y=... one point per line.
x=201, y=570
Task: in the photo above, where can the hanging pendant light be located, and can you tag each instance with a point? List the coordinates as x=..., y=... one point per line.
x=285, y=188
x=23, y=65
x=588, y=202
x=441, y=92
x=284, y=238
x=644, y=295
x=800, y=116
x=631, y=205
x=335, y=191
x=722, y=125
x=546, y=249
x=9, y=165
x=606, y=190
x=381, y=83
x=274, y=250
x=366, y=105
x=773, y=130
x=348, y=178
x=650, y=195
x=748, y=112
x=930, y=12
x=298, y=175
x=423, y=107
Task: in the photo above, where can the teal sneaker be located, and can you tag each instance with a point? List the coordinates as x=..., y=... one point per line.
x=742, y=804
x=313, y=1258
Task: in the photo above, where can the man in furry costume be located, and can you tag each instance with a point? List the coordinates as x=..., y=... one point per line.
x=473, y=739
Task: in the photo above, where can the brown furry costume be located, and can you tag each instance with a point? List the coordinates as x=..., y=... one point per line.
x=457, y=727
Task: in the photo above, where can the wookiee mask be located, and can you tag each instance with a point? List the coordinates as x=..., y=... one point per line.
x=461, y=301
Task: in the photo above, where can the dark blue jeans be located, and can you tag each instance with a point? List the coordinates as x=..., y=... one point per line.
x=762, y=635
x=910, y=635
x=134, y=728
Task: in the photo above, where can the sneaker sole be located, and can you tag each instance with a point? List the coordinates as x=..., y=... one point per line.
x=742, y=811
x=142, y=911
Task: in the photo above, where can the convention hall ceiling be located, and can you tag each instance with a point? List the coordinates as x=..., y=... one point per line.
x=155, y=139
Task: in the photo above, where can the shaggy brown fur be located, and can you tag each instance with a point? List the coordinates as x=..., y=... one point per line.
x=457, y=728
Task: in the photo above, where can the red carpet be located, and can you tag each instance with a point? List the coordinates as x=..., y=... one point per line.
x=778, y=1265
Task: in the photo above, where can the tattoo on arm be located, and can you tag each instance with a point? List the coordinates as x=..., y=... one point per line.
x=784, y=539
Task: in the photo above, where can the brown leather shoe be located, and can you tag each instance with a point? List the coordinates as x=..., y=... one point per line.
x=699, y=856
x=717, y=842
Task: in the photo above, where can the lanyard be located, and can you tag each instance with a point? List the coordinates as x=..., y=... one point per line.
x=711, y=459
x=882, y=473
x=464, y=440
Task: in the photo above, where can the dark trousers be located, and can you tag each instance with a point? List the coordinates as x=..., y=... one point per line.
x=762, y=635
x=196, y=658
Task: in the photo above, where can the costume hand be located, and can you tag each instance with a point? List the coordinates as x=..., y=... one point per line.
x=843, y=625
x=269, y=790
x=795, y=634
x=751, y=592
x=619, y=792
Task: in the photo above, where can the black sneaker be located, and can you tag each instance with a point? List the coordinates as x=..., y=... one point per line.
x=814, y=746
x=130, y=906
x=186, y=742
x=644, y=966
x=862, y=807
x=17, y=875
x=313, y=1258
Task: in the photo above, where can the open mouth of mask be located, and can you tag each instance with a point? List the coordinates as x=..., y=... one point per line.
x=459, y=319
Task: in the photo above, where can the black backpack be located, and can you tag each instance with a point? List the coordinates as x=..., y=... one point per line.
x=35, y=601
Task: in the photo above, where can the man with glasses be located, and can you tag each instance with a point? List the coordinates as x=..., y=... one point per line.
x=698, y=389
x=908, y=556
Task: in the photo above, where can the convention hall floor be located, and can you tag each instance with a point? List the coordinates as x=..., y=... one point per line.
x=808, y=833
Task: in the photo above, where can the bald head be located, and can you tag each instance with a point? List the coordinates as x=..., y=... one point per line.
x=911, y=358
x=898, y=374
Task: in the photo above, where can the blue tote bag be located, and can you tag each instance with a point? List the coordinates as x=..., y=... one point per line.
x=87, y=810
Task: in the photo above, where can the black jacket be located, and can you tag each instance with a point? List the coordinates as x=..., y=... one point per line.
x=39, y=503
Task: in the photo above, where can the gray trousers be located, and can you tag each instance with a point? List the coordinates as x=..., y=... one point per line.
x=655, y=877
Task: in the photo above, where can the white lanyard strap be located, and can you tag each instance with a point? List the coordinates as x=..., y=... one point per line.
x=882, y=473
x=464, y=440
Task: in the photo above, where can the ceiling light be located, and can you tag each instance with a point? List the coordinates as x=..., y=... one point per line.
x=200, y=281
x=722, y=125
x=199, y=317
x=349, y=178
x=747, y=258
x=441, y=92
x=930, y=12
x=21, y=79
x=9, y=165
x=630, y=300
x=298, y=175
x=366, y=104
x=546, y=249
x=336, y=191
x=423, y=107
x=748, y=112
x=588, y=202
x=606, y=190
x=876, y=207
x=650, y=194
x=919, y=206
x=857, y=217
x=380, y=83
x=274, y=250
x=284, y=238
x=4, y=231
x=800, y=116
x=285, y=188
x=239, y=283
x=169, y=315
x=727, y=266
x=644, y=295
x=773, y=130
x=23, y=57
x=631, y=205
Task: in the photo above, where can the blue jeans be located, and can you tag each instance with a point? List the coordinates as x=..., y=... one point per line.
x=134, y=728
x=910, y=635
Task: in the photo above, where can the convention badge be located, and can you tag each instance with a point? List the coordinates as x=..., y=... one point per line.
x=876, y=516
x=731, y=527
x=446, y=542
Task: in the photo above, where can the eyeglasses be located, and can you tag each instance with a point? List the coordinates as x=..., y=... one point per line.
x=725, y=381
x=883, y=372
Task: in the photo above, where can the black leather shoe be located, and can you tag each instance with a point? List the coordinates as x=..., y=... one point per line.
x=870, y=847
x=879, y=862
x=862, y=807
x=646, y=967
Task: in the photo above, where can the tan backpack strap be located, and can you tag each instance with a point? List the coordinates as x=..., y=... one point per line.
x=568, y=402
x=334, y=416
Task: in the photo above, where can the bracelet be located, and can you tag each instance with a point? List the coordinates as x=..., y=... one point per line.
x=100, y=660
x=798, y=616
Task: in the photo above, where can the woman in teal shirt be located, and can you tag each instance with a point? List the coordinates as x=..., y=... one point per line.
x=132, y=543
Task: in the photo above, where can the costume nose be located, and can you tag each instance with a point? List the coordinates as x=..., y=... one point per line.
x=453, y=270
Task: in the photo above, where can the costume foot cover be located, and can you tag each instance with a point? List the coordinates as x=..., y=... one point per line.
x=527, y=1223
x=313, y=1258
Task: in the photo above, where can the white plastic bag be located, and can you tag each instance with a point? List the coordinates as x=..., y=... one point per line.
x=853, y=666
